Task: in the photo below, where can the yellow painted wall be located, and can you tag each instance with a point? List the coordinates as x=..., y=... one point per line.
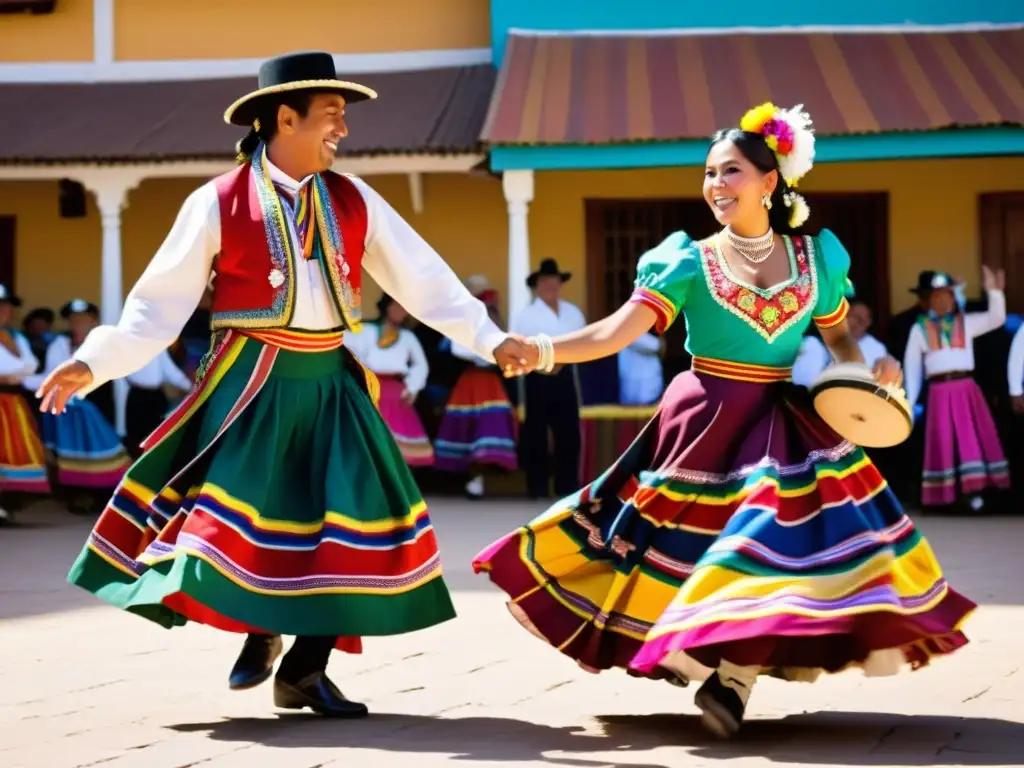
x=64, y=35
x=212, y=29
x=933, y=209
x=57, y=259
x=933, y=220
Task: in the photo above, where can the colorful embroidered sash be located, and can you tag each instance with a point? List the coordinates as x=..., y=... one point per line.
x=946, y=332
x=312, y=215
x=725, y=369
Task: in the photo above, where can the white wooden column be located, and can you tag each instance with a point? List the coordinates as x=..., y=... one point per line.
x=110, y=187
x=518, y=187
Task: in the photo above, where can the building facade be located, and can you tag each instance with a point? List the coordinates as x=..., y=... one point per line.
x=513, y=130
x=602, y=112
x=123, y=99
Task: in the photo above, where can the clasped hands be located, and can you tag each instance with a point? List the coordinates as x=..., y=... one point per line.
x=516, y=356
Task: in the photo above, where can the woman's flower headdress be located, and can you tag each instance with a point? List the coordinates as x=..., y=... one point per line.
x=789, y=133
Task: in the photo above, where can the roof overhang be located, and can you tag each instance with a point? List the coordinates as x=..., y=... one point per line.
x=424, y=112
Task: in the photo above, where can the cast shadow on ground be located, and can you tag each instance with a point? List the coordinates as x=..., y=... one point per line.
x=830, y=738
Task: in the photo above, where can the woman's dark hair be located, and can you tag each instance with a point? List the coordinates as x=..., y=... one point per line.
x=266, y=118
x=753, y=147
x=383, y=303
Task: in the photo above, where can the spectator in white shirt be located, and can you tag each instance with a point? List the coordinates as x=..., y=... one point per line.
x=551, y=400
x=641, y=380
x=814, y=357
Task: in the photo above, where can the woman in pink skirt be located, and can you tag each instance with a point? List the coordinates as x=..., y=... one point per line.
x=961, y=441
x=395, y=355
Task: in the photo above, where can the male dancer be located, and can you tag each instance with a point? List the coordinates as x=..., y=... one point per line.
x=274, y=500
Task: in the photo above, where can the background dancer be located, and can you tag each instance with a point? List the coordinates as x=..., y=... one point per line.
x=961, y=441
x=739, y=535
x=394, y=355
x=478, y=430
x=274, y=500
x=22, y=457
x=88, y=455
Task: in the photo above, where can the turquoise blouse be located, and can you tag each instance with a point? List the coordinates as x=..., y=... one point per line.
x=728, y=319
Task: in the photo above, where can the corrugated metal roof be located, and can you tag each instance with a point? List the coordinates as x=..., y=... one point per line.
x=595, y=89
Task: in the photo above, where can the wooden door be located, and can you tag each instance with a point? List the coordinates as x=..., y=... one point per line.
x=7, y=252
x=861, y=222
x=618, y=233
x=1002, y=241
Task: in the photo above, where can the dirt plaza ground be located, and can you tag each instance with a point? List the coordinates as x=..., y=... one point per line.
x=82, y=684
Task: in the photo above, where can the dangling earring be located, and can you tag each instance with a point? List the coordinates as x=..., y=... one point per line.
x=766, y=201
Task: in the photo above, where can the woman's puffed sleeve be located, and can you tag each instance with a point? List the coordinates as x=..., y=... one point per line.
x=833, y=263
x=664, y=275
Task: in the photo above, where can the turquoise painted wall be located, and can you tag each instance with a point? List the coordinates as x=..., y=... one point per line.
x=975, y=142
x=662, y=14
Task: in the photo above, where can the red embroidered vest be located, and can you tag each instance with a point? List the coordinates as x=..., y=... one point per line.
x=255, y=283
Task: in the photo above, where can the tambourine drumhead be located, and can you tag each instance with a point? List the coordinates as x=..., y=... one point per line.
x=848, y=399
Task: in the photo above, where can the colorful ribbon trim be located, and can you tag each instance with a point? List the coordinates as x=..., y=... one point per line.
x=835, y=317
x=299, y=341
x=725, y=369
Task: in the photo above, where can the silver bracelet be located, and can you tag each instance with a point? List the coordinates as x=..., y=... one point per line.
x=546, y=350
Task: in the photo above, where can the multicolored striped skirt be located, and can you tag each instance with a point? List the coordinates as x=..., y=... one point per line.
x=961, y=442
x=479, y=425
x=737, y=526
x=22, y=456
x=405, y=424
x=86, y=449
x=275, y=500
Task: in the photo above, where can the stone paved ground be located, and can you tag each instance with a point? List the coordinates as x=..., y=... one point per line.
x=84, y=685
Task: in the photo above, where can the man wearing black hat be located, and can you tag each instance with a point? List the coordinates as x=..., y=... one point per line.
x=551, y=401
x=274, y=500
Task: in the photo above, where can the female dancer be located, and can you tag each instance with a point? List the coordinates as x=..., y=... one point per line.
x=960, y=437
x=738, y=535
x=396, y=356
x=479, y=424
x=22, y=458
x=87, y=452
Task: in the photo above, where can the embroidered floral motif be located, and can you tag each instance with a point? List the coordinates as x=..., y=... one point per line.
x=769, y=311
x=770, y=316
x=276, y=278
x=333, y=244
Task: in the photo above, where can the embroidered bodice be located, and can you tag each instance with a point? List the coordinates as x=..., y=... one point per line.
x=729, y=319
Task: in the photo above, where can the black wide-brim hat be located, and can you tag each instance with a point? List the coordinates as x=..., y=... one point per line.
x=8, y=297
x=310, y=70
x=548, y=268
x=39, y=313
x=930, y=280
x=79, y=307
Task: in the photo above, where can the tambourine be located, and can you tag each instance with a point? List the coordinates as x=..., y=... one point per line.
x=851, y=401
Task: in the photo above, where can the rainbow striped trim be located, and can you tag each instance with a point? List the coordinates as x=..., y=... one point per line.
x=725, y=369
x=835, y=317
x=663, y=307
x=315, y=341
x=299, y=341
